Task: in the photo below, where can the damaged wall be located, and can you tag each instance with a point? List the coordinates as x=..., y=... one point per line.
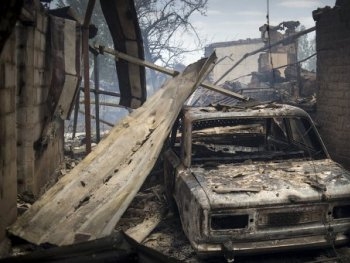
x=39, y=75
x=282, y=54
x=229, y=53
x=36, y=162
x=8, y=154
x=333, y=68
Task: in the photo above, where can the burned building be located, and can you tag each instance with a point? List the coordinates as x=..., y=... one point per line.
x=229, y=53
x=280, y=55
x=33, y=148
x=40, y=70
x=333, y=78
x=250, y=55
x=40, y=67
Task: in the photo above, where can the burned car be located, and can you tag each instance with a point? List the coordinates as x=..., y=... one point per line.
x=255, y=179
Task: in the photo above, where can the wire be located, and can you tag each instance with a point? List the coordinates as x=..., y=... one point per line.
x=283, y=66
x=269, y=40
x=268, y=13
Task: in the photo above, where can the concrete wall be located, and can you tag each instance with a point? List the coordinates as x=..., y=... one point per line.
x=279, y=55
x=35, y=163
x=32, y=109
x=8, y=154
x=229, y=53
x=333, y=77
x=25, y=76
x=278, y=60
x=235, y=51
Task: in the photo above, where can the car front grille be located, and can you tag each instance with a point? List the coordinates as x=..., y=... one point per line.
x=291, y=216
x=224, y=222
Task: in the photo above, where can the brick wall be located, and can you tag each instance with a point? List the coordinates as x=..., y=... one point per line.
x=333, y=77
x=8, y=155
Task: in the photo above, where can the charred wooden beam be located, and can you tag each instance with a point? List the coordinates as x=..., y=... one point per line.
x=117, y=247
x=85, y=51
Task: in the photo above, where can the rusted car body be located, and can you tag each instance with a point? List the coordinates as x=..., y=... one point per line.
x=256, y=179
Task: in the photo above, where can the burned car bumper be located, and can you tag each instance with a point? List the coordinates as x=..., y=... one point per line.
x=258, y=237
x=264, y=246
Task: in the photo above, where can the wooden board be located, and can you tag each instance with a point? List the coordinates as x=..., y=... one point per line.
x=142, y=230
x=87, y=203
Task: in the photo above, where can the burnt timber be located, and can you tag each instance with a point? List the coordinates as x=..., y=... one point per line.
x=87, y=203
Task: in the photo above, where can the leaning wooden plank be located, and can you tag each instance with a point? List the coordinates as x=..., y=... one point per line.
x=88, y=202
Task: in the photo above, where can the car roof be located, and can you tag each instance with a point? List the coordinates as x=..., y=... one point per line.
x=243, y=111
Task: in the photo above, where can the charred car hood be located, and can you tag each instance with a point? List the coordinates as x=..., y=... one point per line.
x=274, y=183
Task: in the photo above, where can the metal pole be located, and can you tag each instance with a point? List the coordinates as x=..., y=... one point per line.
x=76, y=110
x=97, y=97
x=137, y=61
x=109, y=104
x=101, y=120
x=104, y=92
x=85, y=51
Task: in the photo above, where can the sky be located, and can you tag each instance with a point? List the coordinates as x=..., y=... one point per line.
x=229, y=20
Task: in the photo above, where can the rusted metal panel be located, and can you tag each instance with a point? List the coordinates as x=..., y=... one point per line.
x=122, y=22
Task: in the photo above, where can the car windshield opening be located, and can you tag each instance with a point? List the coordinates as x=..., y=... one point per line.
x=238, y=140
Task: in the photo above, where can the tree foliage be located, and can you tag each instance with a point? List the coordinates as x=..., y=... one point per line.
x=306, y=48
